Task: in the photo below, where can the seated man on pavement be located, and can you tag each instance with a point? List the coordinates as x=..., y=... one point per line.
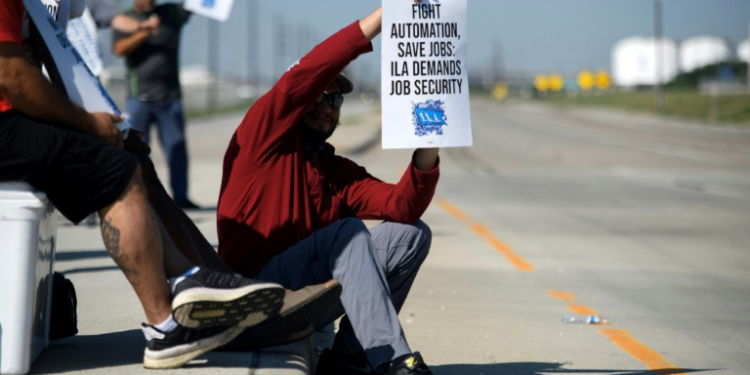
x=76, y=158
x=291, y=210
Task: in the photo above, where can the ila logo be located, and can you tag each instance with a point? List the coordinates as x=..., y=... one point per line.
x=429, y=118
x=209, y=3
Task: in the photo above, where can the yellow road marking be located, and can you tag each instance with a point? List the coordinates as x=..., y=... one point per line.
x=644, y=354
x=623, y=339
x=516, y=260
x=453, y=210
x=582, y=310
x=564, y=296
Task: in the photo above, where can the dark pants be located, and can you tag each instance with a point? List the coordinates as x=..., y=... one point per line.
x=376, y=269
x=170, y=121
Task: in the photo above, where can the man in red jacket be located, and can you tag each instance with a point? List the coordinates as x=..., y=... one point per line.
x=291, y=211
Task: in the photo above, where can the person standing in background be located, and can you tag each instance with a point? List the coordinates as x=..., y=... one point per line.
x=154, y=91
x=100, y=15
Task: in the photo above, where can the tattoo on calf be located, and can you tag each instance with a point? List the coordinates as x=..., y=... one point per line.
x=111, y=237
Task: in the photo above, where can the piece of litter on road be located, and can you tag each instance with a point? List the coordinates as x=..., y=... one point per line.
x=409, y=320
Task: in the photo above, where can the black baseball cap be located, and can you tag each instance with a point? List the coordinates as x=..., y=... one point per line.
x=346, y=84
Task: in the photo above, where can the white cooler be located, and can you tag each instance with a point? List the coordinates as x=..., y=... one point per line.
x=28, y=227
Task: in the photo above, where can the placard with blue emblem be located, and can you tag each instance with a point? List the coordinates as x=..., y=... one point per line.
x=425, y=85
x=215, y=9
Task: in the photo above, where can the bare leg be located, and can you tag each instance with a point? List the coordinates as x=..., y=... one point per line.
x=131, y=234
x=184, y=234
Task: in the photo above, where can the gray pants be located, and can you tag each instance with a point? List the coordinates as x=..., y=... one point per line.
x=376, y=269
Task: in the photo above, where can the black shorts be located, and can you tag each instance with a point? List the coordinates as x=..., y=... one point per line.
x=80, y=173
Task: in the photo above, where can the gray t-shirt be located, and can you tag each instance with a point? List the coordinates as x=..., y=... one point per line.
x=153, y=67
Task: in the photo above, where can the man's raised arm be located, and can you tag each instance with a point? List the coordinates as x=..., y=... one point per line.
x=371, y=24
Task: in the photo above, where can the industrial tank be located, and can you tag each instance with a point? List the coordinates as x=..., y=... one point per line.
x=701, y=51
x=743, y=51
x=635, y=63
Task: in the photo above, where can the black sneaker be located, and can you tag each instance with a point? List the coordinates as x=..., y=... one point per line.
x=410, y=364
x=209, y=299
x=181, y=345
x=331, y=363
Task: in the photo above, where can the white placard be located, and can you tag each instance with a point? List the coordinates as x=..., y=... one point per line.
x=81, y=85
x=82, y=33
x=425, y=85
x=216, y=9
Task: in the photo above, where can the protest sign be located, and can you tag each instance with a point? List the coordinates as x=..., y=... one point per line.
x=80, y=84
x=82, y=33
x=216, y=9
x=58, y=9
x=425, y=86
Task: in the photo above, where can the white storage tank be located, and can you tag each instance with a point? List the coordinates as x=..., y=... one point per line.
x=743, y=51
x=635, y=63
x=701, y=51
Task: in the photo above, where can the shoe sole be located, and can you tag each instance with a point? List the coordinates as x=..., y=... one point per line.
x=179, y=356
x=200, y=308
x=291, y=325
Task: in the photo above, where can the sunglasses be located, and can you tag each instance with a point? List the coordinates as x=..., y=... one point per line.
x=334, y=100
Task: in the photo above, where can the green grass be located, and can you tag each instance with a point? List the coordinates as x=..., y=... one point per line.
x=685, y=104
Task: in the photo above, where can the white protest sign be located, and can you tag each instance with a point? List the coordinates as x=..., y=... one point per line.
x=81, y=85
x=216, y=9
x=425, y=85
x=82, y=33
x=58, y=10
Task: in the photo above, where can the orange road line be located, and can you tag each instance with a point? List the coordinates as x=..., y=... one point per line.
x=502, y=248
x=453, y=210
x=564, y=296
x=516, y=260
x=520, y=263
x=582, y=310
x=653, y=360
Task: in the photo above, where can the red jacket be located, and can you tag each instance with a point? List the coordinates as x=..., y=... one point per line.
x=272, y=196
x=11, y=16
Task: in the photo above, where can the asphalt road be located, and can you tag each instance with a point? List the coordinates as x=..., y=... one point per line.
x=637, y=219
x=640, y=220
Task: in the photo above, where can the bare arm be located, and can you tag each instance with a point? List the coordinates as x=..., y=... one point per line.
x=426, y=159
x=130, y=25
x=371, y=24
x=127, y=45
x=26, y=89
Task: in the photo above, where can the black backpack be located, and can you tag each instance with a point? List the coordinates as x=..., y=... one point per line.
x=63, y=318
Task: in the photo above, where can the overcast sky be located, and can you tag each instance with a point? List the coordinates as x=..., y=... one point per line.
x=532, y=36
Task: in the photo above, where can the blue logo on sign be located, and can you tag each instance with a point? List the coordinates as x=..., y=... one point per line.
x=209, y=3
x=429, y=117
